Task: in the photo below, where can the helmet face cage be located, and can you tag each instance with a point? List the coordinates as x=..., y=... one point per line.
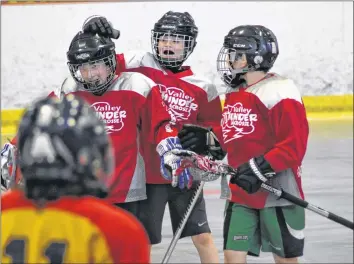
x=95, y=75
x=172, y=61
x=225, y=64
x=257, y=43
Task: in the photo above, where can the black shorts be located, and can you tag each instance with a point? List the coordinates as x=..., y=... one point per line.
x=131, y=207
x=153, y=208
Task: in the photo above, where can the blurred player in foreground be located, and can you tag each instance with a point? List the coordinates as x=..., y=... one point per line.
x=265, y=132
x=66, y=160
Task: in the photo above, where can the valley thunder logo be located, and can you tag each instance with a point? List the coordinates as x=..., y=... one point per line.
x=112, y=116
x=178, y=103
x=237, y=121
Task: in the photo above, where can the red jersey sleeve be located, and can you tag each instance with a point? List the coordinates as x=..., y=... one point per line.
x=139, y=109
x=162, y=123
x=120, y=64
x=210, y=115
x=291, y=130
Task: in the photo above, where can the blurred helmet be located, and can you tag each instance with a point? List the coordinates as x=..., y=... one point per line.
x=63, y=149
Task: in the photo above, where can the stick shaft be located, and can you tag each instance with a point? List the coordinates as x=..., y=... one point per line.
x=297, y=201
x=318, y=210
x=182, y=224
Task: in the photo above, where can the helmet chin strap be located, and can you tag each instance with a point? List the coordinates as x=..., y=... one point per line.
x=174, y=69
x=237, y=80
x=237, y=76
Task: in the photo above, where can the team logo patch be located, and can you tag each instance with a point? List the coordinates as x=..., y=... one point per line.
x=237, y=121
x=177, y=102
x=112, y=116
x=236, y=238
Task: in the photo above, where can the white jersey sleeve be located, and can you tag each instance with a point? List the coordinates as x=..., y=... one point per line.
x=129, y=81
x=204, y=84
x=136, y=59
x=69, y=85
x=133, y=81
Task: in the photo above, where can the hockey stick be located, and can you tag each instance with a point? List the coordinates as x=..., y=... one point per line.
x=291, y=198
x=192, y=159
x=182, y=224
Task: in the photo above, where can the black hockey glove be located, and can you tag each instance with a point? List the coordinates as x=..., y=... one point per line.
x=252, y=174
x=100, y=25
x=201, y=140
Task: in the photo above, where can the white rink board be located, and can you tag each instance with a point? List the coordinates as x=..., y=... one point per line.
x=316, y=40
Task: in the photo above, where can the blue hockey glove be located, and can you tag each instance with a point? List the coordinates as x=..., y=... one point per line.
x=170, y=162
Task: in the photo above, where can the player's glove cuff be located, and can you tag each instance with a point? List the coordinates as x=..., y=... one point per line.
x=167, y=145
x=258, y=167
x=214, y=147
x=201, y=140
x=252, y=174
x=261, y=168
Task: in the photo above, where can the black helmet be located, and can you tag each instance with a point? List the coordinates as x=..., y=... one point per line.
x=88, y=51
x=179, y=26
x=63, y=150
x=257, y=43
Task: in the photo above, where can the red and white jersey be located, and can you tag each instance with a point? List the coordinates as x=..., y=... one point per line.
x=88, y=230
x=187, y=98
x=121, y=108
x=136, y=59
x=267, y=118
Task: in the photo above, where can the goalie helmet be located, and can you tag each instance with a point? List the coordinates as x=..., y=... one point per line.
x=63, y=150
x=178, y=27
x=257, y=43
x=92, y=61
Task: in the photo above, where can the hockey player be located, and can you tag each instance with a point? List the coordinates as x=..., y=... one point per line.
x=119, y=102
x=265, y=132
x=57, y=216
x=189, y=99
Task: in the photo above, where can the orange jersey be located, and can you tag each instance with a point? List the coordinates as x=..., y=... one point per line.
x=70, y=230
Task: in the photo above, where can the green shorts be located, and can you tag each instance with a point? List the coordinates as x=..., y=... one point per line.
x=275, y=229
